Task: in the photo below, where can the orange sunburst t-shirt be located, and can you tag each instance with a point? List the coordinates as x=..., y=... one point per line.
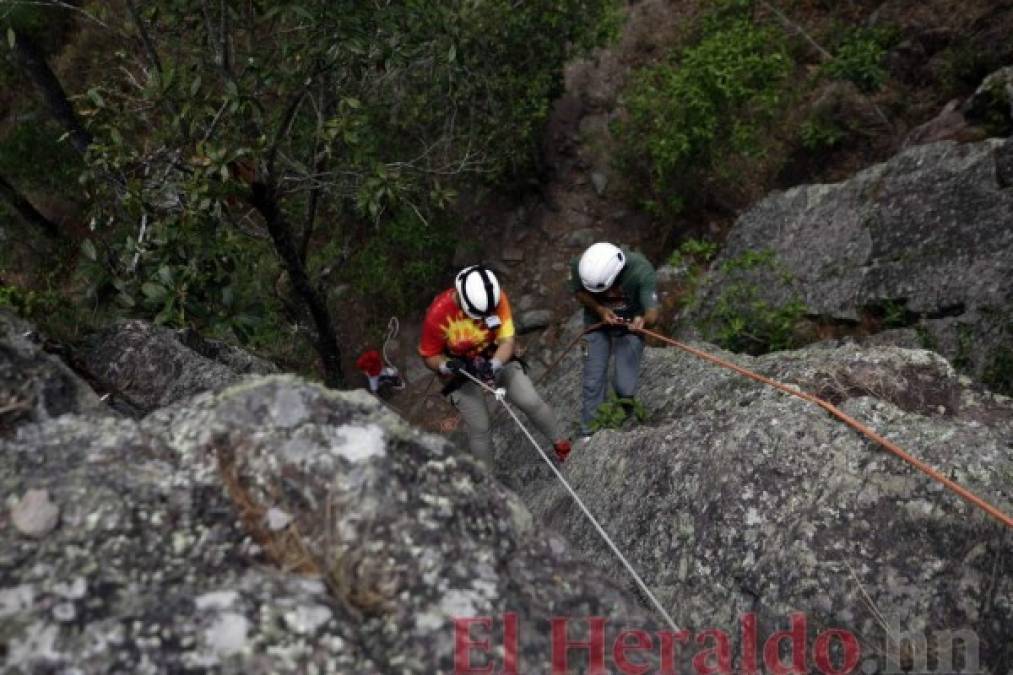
x=447, y=329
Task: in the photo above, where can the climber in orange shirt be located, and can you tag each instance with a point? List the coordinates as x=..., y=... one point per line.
x=470, y=328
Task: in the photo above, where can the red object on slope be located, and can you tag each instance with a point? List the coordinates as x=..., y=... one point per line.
x=370, y=363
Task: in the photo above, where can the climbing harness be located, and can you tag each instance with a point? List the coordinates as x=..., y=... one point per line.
x=500, y=395
x=932, y=473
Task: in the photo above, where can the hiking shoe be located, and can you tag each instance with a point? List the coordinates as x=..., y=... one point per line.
x=562, y=448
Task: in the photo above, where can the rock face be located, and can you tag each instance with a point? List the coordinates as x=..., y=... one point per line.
x=153, y=366
x=992, y=103
x=36, y=386
x=272, y=527
x=923, y=240
x=736, y=498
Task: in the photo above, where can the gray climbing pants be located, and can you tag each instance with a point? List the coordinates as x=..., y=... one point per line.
x=470, y=400
x=598, y=346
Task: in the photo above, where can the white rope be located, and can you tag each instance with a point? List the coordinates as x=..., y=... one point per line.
x=392, y=329
x=500, y=396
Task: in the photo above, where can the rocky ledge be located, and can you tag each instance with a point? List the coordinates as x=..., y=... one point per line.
x=733, y=498
x=263, y=526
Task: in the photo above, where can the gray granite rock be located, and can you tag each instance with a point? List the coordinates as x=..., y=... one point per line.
x=34, y=515
x=154, y=366
x=734, y=497
x=581, y=238
x=533, y=319
x=993, y=99
x=272, y=526
x=927, y=234
x=408, y=531
x=149, y=571
x=36, y=386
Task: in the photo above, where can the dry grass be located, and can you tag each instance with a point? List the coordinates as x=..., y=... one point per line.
x=286, y=547
x=13, y=407
x=351, y=574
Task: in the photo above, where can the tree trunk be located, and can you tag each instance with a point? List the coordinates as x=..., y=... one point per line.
x=31, y=59
x=263, y=199
x=26, y=210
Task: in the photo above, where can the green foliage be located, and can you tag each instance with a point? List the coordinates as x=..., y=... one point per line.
x=741, y=320
x=821, y=132
x=698, y=251
x=56, y=315
x=694, y=254
x=926, y=339
x=27, y=303
x=614, y=412
x=710, y=101
x=998, y=375
x=359, y=120
x=895, y=314
x=187, y=272
x=992, y=110
x=965, y=347
x=31, y=153
x=394, y=271
x=859, y=59
x=963, y=65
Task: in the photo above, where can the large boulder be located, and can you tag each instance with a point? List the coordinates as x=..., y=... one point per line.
x=147, y=570
x=149, y=366
x=923, y=240
x=36, y=386
x=992, y=103
x=273, y=526
x=736, y=498
x=408, y=531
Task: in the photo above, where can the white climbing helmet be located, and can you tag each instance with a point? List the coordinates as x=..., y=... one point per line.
x=600, y=265
x=478, y=290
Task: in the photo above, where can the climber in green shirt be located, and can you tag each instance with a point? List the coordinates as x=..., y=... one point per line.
x=617, y=288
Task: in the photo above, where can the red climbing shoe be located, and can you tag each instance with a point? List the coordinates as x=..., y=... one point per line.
x=562, y=448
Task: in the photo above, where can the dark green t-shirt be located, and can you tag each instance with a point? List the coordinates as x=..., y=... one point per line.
x=634, y=292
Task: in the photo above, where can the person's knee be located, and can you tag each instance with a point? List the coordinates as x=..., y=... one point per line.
x=628, y=391
x=627, y=382
x=478, y=428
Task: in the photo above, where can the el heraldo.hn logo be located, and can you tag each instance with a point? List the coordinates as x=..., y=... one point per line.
x=488, y=644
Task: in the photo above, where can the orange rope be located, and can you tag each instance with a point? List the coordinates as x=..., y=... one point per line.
x=566, y=351
x=847, y=419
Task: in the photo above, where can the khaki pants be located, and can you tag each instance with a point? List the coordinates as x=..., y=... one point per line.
x=470, y=400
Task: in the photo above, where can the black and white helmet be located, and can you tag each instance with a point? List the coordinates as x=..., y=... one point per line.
x=478, y=290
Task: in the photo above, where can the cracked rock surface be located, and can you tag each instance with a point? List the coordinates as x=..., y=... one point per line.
x=925, y=237
x=271, y=526
x=734, y=497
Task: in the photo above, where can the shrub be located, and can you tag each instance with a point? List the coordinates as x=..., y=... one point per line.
x=998, y=375
x=613, y=413
x=821, y=132
x=711, y=100
x=741, y=319
x=698, y=250
x=33, y=154
x=859, y=59
x=394, y=270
